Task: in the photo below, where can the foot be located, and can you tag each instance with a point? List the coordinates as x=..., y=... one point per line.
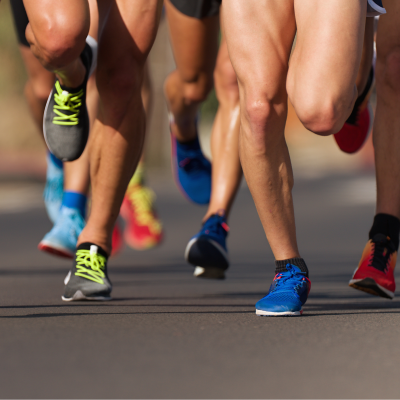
x=143, y=228
x=375, y=272
x=88, y=278
x=66, y=120
x=375, y=8
x=207, y=250
x=192, y=171
x=61, y=240
x=53, y=191
x=287, y=295
x=358, y=126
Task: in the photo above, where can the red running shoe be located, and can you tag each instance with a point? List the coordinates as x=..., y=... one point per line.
x=358, y=126
x=143, y=228
x=375, y=273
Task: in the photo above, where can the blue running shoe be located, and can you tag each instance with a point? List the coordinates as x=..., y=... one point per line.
x=207, y=250
x=61, y=240
x=287, y=294
x=53, y=191
x=192, y=171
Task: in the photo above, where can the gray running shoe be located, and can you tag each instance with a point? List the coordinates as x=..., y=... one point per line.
x=88, y=279
x=375, y=8
x=66, y=119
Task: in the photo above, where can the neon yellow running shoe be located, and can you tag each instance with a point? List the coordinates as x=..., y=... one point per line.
x=66, y=119
x=88, y=279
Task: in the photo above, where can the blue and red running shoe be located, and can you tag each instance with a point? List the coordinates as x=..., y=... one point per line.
x=287, y=294
x=207, y=250
x=192, y=171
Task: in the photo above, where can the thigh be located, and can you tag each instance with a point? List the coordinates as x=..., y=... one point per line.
x=260, y=34
x=328, y=49
x=194, y=42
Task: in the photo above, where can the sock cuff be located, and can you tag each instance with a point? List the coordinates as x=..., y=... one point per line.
x=387, y=225
x=75, y=200
x=280, y=265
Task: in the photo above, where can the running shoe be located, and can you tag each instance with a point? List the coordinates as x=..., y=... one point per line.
x=358, y=126
x=207, y=250
x=375, y=8
x=143, y=228
x=192, y=171
x=375, y=272
x=287, y=295
x=61, y=240
x=88, y=279
x=54, y=189
x=66, y=119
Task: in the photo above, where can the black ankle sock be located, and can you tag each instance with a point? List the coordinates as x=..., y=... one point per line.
x=280, y=265
x=388, y=225
x=87, y=245
x=191, y=144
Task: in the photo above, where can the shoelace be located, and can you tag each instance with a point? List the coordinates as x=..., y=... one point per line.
x=287, y=277
x=67, y=102
x=90, y=266
x=382, y=253
x=142, y=201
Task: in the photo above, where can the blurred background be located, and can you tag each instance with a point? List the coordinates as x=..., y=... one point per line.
x=22, y=151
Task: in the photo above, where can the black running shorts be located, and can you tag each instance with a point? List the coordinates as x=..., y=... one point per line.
x=198, y=8
x=21, y=20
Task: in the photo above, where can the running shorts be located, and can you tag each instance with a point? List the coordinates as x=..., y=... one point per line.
x=21, y=20
x=198, y=8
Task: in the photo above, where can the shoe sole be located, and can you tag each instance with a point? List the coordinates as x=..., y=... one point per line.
x=374, y=10
x=55, y=250
x=79, y=296
x=209, y=273
x=368, y=285
x=263, y=313
x=204, y=268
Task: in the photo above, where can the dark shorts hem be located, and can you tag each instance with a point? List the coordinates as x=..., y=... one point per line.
x=198, y=8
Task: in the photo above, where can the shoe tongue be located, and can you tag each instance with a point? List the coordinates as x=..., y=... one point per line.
x=93, y=248
x=293, y=268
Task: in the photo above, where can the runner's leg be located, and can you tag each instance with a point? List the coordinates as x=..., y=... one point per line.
x=119, y=132
x=374, y=274
x=195, y=46
x=226, y=172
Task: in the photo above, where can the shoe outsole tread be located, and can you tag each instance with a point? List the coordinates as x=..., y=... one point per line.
x=369, y=286
x=262, y=313
x=79, y=296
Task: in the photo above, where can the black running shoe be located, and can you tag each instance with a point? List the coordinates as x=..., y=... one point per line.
x=66, y=119
x=375, y=8
x=88, y=279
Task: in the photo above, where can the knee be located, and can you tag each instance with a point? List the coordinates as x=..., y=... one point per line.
x=196, y=86
x=226, y=85
x=59, y=43
x=388, y=71
x=322, y=115
x=265, y=121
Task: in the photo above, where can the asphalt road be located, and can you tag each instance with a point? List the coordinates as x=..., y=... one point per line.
x=168, y=335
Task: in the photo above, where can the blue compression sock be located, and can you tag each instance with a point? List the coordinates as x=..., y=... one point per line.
x=75, y=200
x=55, y=160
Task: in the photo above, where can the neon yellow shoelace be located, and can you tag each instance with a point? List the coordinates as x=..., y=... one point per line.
x=66, y=101
x=90, y=266
x=142, y=201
